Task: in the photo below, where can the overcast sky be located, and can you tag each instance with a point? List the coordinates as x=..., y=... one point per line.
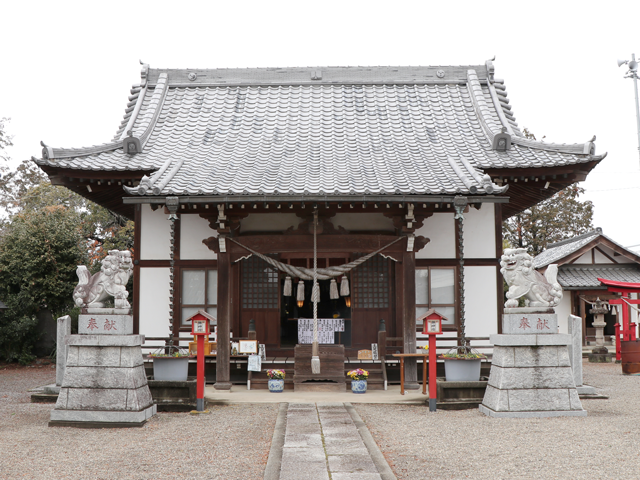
x=66, y=67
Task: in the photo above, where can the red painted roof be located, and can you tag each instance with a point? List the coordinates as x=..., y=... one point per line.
x=617, y=286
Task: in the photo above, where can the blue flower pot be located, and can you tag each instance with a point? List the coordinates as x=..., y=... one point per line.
x=276, y=385
x=359, y=386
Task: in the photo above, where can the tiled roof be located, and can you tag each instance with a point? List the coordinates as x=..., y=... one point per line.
x=327, y=131
x=572, y=277
x=559, y=250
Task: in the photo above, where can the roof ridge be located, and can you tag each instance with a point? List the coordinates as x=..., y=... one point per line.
x=479, y=103
x=151, y=116
x=601, y=266
x=597, y=231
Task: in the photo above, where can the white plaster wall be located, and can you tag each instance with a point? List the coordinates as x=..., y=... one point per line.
x=563, y=310
x=194, y=229
x=154, y=234
x=440, y=229
x=600, y=258
x=360, y=222
x=154, y=303
x=480, y=232
x=269, y=222
x=586, y=258
x=481, y=301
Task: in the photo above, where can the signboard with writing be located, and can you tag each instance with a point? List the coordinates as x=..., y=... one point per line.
x=327, y=328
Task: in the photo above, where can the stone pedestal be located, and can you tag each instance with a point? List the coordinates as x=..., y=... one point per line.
x=531, y=373
x=104, y=383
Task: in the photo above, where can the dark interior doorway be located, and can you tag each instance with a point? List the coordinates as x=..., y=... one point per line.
x=290, y=312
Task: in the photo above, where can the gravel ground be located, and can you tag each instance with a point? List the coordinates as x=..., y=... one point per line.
x=467, y=444
x=231, y=443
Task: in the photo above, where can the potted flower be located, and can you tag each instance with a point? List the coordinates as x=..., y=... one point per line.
x=423, y=349
x=276, y=380
x=462, y=364
x=170, y=363
x=358, y=380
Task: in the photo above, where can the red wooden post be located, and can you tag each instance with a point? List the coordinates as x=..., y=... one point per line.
x=432, y=326
x=200, y=377
x=618, y=345
x=200, y=327
x=433, y=390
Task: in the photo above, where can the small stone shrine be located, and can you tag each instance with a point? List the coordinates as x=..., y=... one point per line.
x=104, y=382
x=531, y=373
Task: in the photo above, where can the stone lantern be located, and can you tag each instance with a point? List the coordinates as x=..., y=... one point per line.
x=600, y=353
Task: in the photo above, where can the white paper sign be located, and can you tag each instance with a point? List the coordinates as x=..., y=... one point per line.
x=327, y=327
x=254, y=363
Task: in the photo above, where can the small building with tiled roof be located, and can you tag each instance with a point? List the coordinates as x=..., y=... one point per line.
x=581, y=261
x=425, y=162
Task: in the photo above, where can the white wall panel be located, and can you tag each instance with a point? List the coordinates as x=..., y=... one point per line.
x=155, y=234
x=194, y=229
x=480, y=232
x=481, y=301
x=440, y=229
x=586, y=258
x=154, y=303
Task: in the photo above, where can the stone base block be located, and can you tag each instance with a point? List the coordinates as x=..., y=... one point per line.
x=52, y=389
x=586, y=390
x=600, y=358
x=530, y=340
x=104, y=383
x=529, y=323
x=531, y=381
x=100, y=418
x=540, y=414
x=96, y=324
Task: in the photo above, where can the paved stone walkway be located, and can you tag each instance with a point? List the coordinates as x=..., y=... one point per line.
x=323, y=441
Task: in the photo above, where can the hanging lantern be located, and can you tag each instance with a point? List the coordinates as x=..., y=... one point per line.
x=333, y=290
x=347, y=301
x=300, y=296
x=286, y=291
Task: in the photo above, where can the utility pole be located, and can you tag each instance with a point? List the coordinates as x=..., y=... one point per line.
x=633, y=73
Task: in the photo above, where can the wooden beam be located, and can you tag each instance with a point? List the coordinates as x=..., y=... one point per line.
x=266, y=244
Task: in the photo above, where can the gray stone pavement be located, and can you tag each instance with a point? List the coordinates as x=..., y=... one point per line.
x=318, y=441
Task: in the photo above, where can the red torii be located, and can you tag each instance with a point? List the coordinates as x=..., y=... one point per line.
x=628, y=329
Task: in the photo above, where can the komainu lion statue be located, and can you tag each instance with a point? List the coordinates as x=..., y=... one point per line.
x=524, y=281
x=111, y=281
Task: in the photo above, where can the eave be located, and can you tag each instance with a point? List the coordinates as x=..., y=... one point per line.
x=530, y=186
x=101, y=187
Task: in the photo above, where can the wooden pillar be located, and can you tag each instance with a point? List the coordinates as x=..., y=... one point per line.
x=409, y=318
x=224, y=321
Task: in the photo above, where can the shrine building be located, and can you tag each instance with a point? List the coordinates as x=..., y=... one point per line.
x=581, y=261
x=223, y=168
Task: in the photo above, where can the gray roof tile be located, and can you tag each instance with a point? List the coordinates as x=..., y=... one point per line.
x=358, y=131
x=571, y=277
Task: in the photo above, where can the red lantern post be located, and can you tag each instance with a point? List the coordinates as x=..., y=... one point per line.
x=200, y=328
x=432, y=326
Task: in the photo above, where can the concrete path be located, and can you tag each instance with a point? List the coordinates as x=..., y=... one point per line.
x=322, y=441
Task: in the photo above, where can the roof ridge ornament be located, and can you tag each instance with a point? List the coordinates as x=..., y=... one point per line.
x=144, y=74
x=47, y=152
x=130, y=144
x=490, y=69
x=502, y=141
